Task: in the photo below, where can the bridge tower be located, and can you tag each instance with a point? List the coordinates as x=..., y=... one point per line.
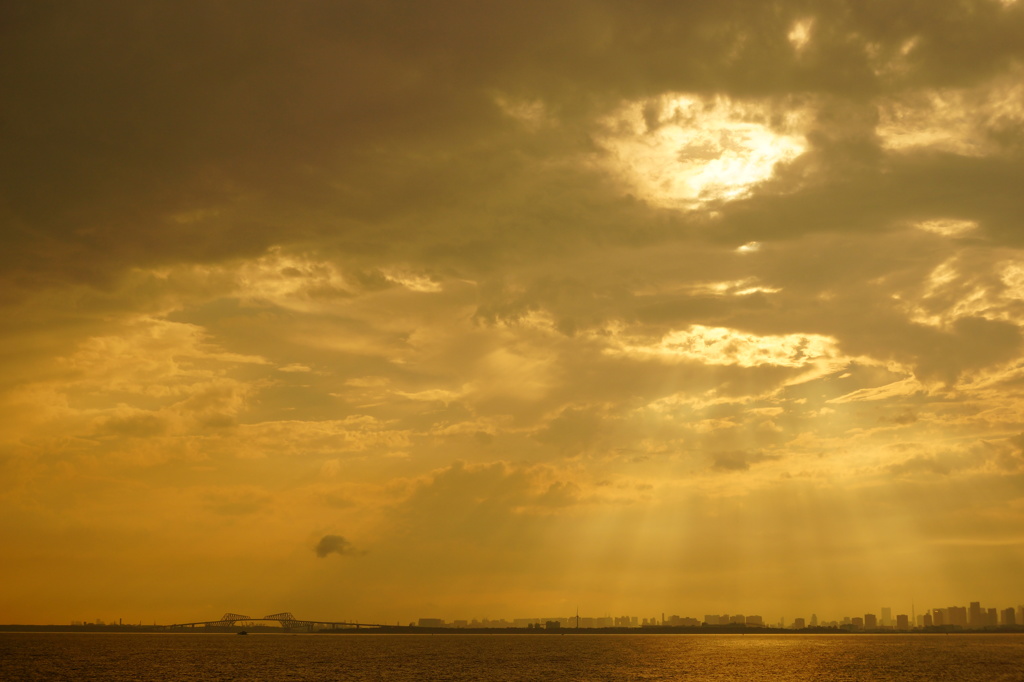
x=287, y=620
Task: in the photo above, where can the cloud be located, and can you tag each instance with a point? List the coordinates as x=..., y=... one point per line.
x=520, y=290
x=682, y=150
x=738, y=460
x=1018, y=442
x=334, y=544
x=921, y=464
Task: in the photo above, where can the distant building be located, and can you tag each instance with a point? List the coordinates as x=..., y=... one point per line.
x=757, y=621
x=870, y=621
x=1009, y=617
x=799, y=624
x=975, y=616
x=886, y=617
x=902, y=622
x=857, y=623
x=552, y=625
x=431, y=622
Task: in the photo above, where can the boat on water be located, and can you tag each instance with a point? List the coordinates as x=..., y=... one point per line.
x=241, y=632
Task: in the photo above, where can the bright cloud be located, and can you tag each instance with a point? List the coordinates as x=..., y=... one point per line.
x=683, y=150
x=800, y=34
x=722, y=346
x=947, y=227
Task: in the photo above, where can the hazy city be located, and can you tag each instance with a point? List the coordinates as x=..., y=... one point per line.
x=953, y=618
x=973, y=617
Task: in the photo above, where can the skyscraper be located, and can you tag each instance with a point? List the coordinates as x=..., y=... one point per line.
x=975, y=616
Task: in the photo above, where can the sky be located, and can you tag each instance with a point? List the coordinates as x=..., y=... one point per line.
x=380, y=310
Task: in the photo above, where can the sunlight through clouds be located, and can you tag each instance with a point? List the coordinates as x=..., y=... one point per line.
x=1013, y=277
x=947, y=227
x=722, y=346
x=800, y=34
x=290, y=281
x=954, y=289
x=641, y=306
x=413, y=282
x=682, y=151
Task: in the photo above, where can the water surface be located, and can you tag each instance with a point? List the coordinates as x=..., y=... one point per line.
x=123, y=656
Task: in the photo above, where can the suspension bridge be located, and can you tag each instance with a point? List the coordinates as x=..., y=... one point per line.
x=284, y=620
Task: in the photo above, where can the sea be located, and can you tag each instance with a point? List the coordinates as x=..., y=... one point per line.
x=568, y=657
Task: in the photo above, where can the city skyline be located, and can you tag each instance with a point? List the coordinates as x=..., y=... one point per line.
x=395, y=309
x=971, y=617
x=990, y=617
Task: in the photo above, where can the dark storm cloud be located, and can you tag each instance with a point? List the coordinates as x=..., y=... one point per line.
x=126, y=116
x=143, y=133
x=333, y=544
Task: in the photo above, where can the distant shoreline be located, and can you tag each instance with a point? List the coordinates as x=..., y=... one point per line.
x=416, y=630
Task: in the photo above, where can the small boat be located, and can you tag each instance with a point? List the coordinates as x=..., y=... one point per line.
x=241, y=632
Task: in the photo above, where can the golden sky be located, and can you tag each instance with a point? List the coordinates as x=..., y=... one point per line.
x=382, y=310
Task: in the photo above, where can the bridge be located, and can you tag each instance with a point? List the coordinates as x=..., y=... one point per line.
x=285, y=620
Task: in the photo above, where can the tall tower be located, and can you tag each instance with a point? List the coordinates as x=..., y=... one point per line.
x=974, y=617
